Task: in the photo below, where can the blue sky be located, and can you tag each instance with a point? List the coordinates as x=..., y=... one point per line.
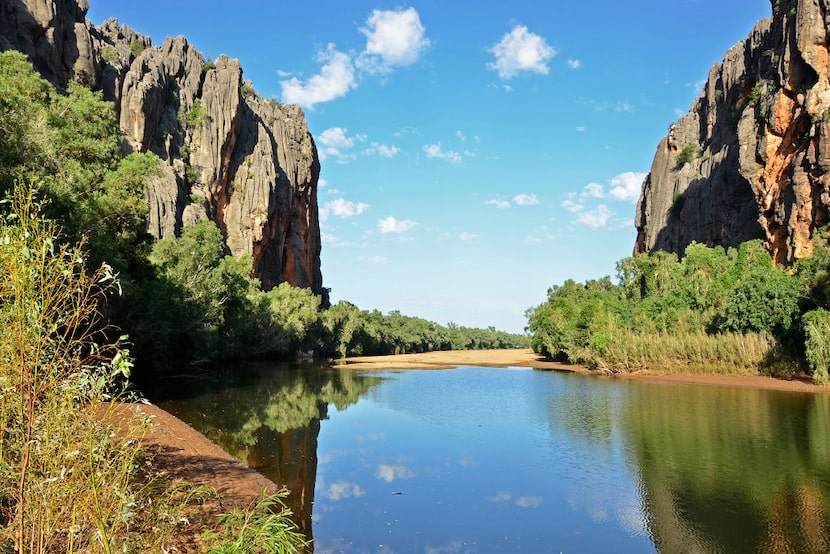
x=473, y=153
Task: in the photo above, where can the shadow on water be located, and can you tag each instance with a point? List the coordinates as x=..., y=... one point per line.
x=266, y=415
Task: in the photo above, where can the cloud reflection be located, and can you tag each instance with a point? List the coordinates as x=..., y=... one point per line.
x=390, y=472
x=503, y=496
x=529, y=501
x=343, y=489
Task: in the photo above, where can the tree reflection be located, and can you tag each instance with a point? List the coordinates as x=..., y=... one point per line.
x=732, y=470
x=268, y=417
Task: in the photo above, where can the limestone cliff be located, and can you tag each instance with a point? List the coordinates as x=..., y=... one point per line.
x=245, y=162
x=751, y=158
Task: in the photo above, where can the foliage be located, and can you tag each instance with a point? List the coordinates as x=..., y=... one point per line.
x=687, y=154
x=817, y=344
x=67, y=482
x=264, y=528
x=196, y=115
x=137, y=47
x=733, y=310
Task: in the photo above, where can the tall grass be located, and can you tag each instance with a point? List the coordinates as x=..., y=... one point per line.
x=69, y=480
x=690, y=351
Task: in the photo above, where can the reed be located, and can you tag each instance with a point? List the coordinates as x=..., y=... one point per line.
x=694, y=351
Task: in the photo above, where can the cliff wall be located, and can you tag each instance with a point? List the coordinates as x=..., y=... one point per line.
x=751, y=158
x=245, y=162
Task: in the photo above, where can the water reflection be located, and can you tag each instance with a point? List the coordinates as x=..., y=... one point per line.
x=483, y=459
x=732, y=470
x=267, y=416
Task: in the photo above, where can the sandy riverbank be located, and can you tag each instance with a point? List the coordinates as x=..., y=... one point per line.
x=527, y=358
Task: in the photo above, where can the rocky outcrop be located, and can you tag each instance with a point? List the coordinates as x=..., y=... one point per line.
x=245, y=162
x=751, y=158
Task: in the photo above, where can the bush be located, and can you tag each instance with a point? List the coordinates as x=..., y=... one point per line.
x=817, y=344
x=688, y=153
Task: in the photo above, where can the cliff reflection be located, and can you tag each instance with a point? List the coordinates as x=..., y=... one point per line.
x=732, y=470
x=269, y=417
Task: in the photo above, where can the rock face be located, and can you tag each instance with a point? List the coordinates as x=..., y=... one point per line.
x=751, y=158
x=245, y=162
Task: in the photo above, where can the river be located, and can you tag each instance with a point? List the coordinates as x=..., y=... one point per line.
x=479, y=459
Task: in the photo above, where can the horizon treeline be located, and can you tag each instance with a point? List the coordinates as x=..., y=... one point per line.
x=182, y=299
x=715, y=310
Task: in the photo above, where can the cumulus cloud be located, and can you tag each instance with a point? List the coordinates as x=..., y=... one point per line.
x=341, y=207
x=393, y=38
x=467, y=237
x=596, y=218
x=436, y=151
x=574, y=64
x=525, y=200
x=500, y=204
x=391, y=225
x=390, y=472
x=334, y=143
x=385, y=150
x=336, y=78
x=594, y=190
x=626, y=186
x=520, y=51
x=572, y=206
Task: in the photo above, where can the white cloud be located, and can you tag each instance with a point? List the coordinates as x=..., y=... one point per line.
x=373, y=259
x=596, y=218
x=334, y=141
x=393, y=38
x=500, y=204
x=343, y=489
x=336, y=78
x=625, y=107
x=389, y=472
x=594, y=190
x=392, y=225
x=626, y=186
x=574, y=64
x=461, y=136
x=520, y=50
x=385, y=150
x=532, y=239
x=580, y=129
x=525, y=200
x=572, y=206
x=435, y=151
x=335, y=137
x=344, y=208
x=467, y=237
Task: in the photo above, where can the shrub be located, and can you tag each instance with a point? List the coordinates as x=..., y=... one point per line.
x=817, y=344
x=197, y=115
x=688, y=153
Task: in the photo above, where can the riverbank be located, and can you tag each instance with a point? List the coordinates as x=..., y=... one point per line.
x=528, y=358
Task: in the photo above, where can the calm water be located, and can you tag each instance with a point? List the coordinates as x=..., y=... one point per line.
x=492, y=460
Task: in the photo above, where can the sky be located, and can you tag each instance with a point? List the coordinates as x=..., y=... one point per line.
x=473, y=153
